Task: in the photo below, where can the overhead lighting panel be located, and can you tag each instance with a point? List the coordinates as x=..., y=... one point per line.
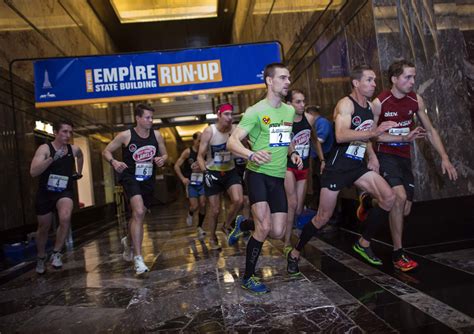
x=164, y=10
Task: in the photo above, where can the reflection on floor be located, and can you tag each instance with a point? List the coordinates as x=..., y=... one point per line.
x=193, y=289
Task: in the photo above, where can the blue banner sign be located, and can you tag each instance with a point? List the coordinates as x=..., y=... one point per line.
x=127, y=77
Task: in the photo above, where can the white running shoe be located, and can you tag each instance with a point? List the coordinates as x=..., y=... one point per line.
x=140, y=266
x=127, y=254
x=56, y=261
x=41, y=265
x=189, y=220
x=201, y=232
x=214, y=245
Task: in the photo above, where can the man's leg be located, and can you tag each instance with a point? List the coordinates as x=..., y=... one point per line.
x=214, y=209
x=44, y=224
x=202, y=210
x=396, y=216
x=64, y=208
x=379, y=189
x=193, y=207
x=136, y=223
x=327, y=203
x=235, y=193
x=261, y=214
x=291, y=196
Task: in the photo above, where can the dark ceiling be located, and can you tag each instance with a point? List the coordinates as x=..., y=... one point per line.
x=136, y=37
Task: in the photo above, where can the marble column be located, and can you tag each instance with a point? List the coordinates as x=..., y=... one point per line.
x=432, y=34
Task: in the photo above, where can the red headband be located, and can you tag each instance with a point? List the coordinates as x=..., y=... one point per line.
x=225, y=107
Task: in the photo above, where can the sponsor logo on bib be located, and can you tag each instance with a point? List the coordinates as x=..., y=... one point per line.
x=144, y=153
x=132, y=148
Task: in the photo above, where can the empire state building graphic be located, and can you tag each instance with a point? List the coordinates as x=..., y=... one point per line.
x=46, y=82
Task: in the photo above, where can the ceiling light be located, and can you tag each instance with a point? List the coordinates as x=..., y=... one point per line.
x=211, y=116
x=157, y=121
x=183, y=119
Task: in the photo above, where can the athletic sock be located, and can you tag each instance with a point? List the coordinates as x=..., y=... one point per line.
x=201, y=219
x=376, y=217
x=309, y=230
x=397, y=254
x=253, y=252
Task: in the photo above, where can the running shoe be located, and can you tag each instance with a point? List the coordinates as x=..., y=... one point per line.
x=404, y=263
x=41, y=265
x=127, y=254
x=140, y=266
x=214, y=245
x=56, y=261
x=364, y=206
x=292, y=265
x=254, y=285
x=367, y=254
x=201, y=233
x=235, y=234
x=189, y=220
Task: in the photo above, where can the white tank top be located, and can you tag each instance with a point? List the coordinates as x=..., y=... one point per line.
x=218, y=157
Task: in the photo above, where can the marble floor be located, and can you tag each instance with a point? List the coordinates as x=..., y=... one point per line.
x=193, y=289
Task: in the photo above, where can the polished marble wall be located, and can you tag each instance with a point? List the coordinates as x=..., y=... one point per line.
x=434, y=35
x=31, y=29
x=321, y=44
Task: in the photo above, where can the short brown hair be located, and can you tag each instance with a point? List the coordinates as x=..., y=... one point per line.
x=141, y=107
x=58, y=124
x=358, y=71
x=396, y=68
x=270, y=70
x=291, y=92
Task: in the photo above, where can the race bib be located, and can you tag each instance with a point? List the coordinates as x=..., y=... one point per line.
x=196, y=179
x=222, y=157
x=143, y=171
x=356, y=150
x=303, y=151
x=398, y=132
x=280, y=135
x=57, y=183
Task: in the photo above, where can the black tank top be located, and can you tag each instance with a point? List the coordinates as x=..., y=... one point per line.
x=188, y=162
x=352, y=154
x=140, y=153
x=55, y=173
x=301, y=138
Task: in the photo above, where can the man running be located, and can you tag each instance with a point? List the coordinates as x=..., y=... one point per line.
x=296, y=180
x=193, y=179
x=393, y=159
x=54, y=164
x=354, y=127
x=142, y=148
x=215, y=159
x=268, y=124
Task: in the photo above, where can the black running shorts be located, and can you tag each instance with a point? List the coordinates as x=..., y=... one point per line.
x=336, y=179
x=132, y=187
x=265, y=188
x=46, y=200
x=397, y=171
x=216, y=182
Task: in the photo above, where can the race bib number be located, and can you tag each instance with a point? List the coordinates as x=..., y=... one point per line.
x=196, y=179
x=398, y=132
x=222, y=157
x=57, y=183
x=303, y=151
x=143, y=171
x=280, y=135
x=356, y=150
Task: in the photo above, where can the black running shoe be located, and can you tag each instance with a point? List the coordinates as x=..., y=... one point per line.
x=292, y=266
